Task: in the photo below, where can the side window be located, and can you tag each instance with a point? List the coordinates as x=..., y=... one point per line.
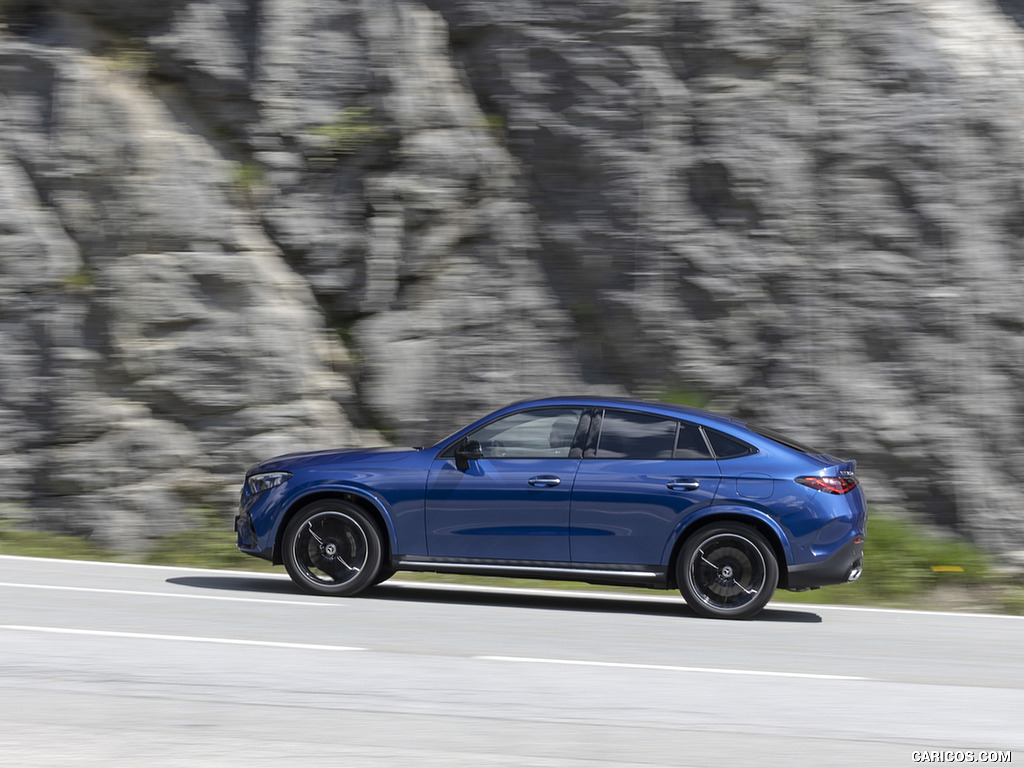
x=690, y=444
x=726, y=447
x=626, y=435
x=542, y=433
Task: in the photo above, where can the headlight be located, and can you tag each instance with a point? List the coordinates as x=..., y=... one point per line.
x=266, y=481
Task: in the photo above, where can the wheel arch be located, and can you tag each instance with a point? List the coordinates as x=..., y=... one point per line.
x=759, y=522
x=370, y=504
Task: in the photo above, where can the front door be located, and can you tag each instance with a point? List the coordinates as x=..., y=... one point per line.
x=513, y=503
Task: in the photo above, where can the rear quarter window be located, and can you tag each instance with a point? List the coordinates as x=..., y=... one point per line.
x=726, y=447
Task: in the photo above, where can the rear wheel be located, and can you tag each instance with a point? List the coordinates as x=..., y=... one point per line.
x=332, y=547
x=727, y=571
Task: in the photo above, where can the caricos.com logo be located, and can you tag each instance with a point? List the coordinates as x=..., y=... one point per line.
x=962, y=756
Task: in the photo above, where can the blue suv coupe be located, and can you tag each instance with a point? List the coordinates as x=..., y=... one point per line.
x=594, y=489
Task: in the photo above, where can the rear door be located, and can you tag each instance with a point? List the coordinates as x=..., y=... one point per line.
x=640, y=475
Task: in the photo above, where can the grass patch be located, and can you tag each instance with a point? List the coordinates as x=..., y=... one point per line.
x=913, y=566
x=210, y=543
x=28, y=543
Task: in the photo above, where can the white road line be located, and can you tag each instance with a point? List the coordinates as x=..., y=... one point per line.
x=178, y=638
x=163, y=594
x=317, y=647
x=145, y=566
x=908, y=611
x=670, y=668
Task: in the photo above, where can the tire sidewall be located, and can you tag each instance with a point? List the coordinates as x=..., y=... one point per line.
x=684, y=576
x=374, y=549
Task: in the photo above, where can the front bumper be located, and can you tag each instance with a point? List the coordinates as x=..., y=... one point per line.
x=843, y=566
x=248, y=541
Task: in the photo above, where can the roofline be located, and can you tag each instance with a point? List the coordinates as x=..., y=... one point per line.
x=606, y=399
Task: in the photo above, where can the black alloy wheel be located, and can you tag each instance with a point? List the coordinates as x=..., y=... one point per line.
x=727, y=571
x=332, y=547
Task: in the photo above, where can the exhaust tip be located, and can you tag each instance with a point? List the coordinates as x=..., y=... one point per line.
x=855, y=571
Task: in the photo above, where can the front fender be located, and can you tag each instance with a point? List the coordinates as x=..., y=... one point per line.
x=312, y=493
x=751, y=515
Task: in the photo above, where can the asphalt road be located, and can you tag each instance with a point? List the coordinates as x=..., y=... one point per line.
x=116, y=665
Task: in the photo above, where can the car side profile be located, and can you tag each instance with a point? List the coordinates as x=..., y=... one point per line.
x=602, y=490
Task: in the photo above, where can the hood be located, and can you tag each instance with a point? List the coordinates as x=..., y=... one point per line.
x=290, y=461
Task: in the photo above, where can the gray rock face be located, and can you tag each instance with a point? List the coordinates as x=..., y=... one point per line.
x=154, y=342
x=808, y=214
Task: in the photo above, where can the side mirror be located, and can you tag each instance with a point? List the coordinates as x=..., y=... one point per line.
x=468, y=451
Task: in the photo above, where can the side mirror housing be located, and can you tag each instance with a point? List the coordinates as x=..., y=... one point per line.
x=468, y=451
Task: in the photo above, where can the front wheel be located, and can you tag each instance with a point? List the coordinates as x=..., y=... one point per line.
x=332, y=547
x=727, y=571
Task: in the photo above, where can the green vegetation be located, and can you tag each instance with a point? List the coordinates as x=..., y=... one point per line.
x=79, y=280
x=907, y=566
x=247, y=179
x=28, y=543
x=352, y=128
x=913, y=566
x=495, y=123
x=584, y=313
x=347, y=336
x=210, y=543
x=129, y=56
x=681, y=396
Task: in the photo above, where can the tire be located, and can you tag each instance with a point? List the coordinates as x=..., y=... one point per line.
x=385, y=573
x=727, y=571
x=332, y=547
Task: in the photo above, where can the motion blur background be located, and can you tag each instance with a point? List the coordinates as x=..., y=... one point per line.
x=234, y=228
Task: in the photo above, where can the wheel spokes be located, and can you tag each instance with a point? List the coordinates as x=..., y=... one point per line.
x=334, y=543
x=312, y=533
x=748, y=591
x=727, y=571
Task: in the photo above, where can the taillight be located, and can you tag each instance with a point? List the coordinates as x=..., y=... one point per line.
x=838, y=485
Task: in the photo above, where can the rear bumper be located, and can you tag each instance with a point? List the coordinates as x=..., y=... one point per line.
x=842, y=567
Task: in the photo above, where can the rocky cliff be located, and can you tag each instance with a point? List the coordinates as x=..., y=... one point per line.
x=231, y=228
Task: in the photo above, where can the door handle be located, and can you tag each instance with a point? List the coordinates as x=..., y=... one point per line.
x=683, y=485
x=544, y=481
